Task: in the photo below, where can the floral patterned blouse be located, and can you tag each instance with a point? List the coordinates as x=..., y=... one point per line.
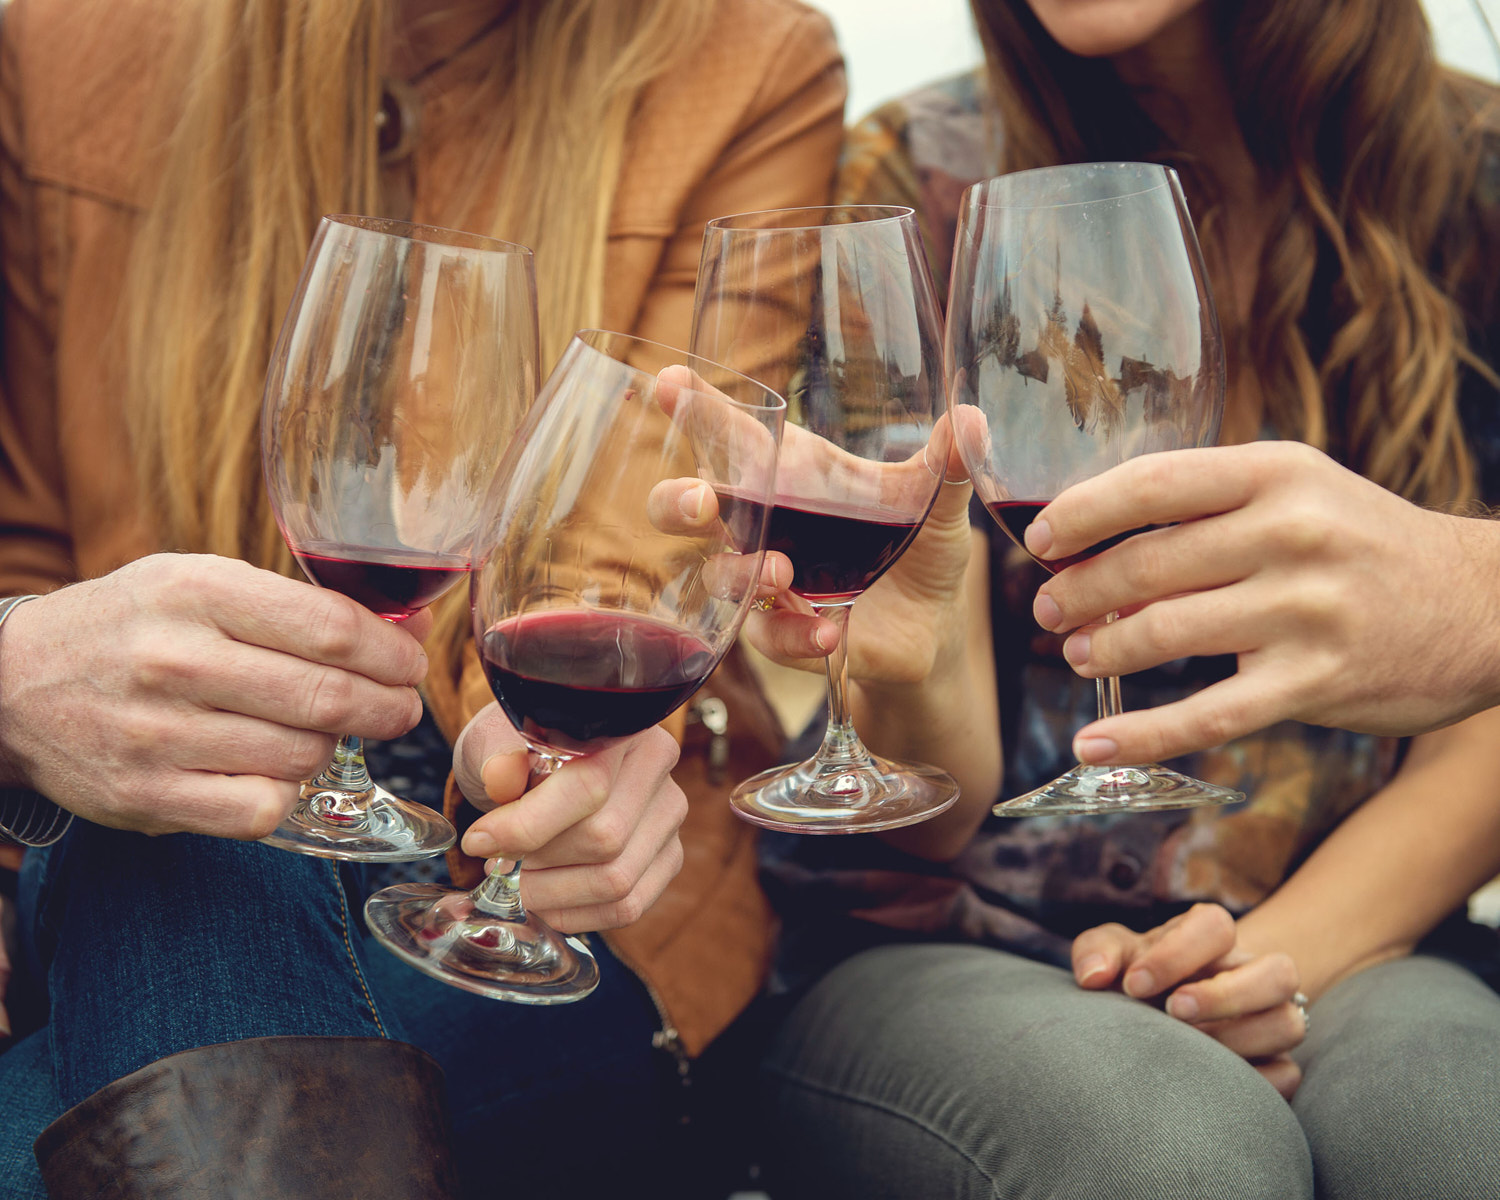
x=1030, y=885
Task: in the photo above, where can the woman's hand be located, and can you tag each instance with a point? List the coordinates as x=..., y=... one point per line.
x=1346, y=605
x=1195, y=964
x=599, y=837
x=914, y=616
x=194, y=693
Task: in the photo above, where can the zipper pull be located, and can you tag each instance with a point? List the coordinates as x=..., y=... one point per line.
x=714, y=714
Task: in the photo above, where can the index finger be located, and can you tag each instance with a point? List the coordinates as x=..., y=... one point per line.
x=315, y=624
x=1163, y=488
x=1201, y=937
x=573, y=793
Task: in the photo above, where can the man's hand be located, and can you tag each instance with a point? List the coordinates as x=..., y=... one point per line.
x=194, y=693
x=1346, y=605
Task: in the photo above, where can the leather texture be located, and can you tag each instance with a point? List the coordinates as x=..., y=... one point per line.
x=299, y=1118
x=752, y=121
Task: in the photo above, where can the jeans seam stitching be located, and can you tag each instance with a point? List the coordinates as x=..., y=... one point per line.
x=338, y=885
x=890, y=1111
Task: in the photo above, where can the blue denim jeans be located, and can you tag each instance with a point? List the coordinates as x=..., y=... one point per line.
x=135, y=947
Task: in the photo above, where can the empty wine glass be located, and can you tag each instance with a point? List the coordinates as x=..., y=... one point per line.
x=835, y=308
x=599, y=607
x=406, y=360
x=1081, y=333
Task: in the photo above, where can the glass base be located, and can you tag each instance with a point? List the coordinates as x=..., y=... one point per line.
x=442, y=932
x=819, y=796
x=372, y=826
x=1101, y=790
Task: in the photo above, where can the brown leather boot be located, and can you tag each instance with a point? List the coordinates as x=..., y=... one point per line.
x=300, y=1118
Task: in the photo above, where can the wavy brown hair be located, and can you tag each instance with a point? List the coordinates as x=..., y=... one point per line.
x=276, y=127
x=1369, y=150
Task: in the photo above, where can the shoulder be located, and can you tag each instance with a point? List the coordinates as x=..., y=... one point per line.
x=81, y=80
x=754, y=56
x=922, y=150
x=767, y=73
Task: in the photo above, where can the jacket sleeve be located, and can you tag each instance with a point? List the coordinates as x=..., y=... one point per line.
x=35, y=545
x=783, y=155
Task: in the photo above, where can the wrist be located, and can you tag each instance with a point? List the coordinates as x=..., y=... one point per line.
x=1482, y=549
x=11, y=774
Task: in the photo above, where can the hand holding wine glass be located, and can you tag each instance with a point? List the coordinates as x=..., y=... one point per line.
x=406, y=359
x=835, y=307
x=1080, y=334
x=594, y=616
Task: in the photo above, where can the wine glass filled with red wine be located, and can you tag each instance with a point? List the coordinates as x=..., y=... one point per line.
x=1081, y=333
x=406, y=360
x=599, y=606
x=835, y=308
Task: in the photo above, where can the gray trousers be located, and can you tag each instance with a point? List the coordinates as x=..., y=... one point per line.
x=934, y=1071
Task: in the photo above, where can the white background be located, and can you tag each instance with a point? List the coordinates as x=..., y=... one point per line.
x=893, y=46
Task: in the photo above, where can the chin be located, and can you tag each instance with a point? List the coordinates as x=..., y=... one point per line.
x=1105, y=28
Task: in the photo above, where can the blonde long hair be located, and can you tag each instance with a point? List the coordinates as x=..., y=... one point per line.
x=277, y=126
x=1370, y=150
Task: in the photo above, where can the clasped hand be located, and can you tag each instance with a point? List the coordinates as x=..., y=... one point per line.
x=1195, y=967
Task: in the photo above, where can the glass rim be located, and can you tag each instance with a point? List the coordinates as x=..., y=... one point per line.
x=590, y=336
x=975, y=193
x=427, y=235
x=878, y=213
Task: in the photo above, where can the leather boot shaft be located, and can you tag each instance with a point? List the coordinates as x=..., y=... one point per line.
x=300, y=1118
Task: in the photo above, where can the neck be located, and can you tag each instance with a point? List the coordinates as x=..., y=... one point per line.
x=1179, y=79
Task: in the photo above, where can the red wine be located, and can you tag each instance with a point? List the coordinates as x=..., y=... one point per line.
x=836, y=551
x=392, y=583
x=1015, y=515
x=572, y=678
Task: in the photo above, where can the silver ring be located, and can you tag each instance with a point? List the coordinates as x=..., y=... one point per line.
x=1300, y=1001
x=763, y=604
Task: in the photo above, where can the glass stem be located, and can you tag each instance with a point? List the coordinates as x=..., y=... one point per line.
x=340, y=792
x=840, y=742
x=1108, y=689
x=499, y=893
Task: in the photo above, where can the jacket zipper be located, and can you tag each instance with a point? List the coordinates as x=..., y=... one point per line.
x=713, y=714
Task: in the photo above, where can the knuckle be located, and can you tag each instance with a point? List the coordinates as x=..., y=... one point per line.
x=674, y=857
x=605, y=837
x=333, y=627
x=661, y=746
x=1159, y=630
x=626, y=911
x=307, y=753
x=616, y=882
x=1284, y=973
x=329, y=696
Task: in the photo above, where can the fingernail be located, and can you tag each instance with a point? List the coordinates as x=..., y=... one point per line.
x=826, y=640
x=1140, y=982
x=480, y=845
x=1039, y=537
x=420, y=668
x=1184, y=1008
x=1091, y=966
x=1076, y=649
x=1046, y=612
x=692, y=502
x=1094, y=749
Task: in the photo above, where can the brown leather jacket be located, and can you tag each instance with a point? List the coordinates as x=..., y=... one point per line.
x=752, y=121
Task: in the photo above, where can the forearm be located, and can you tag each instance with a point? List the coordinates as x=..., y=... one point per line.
x=950, y=719
x=1396, y=866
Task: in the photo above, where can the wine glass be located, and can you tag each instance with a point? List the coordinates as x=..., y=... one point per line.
x=835, y=308
x=405, y=362
x=598, y=608
x=1081, y=333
